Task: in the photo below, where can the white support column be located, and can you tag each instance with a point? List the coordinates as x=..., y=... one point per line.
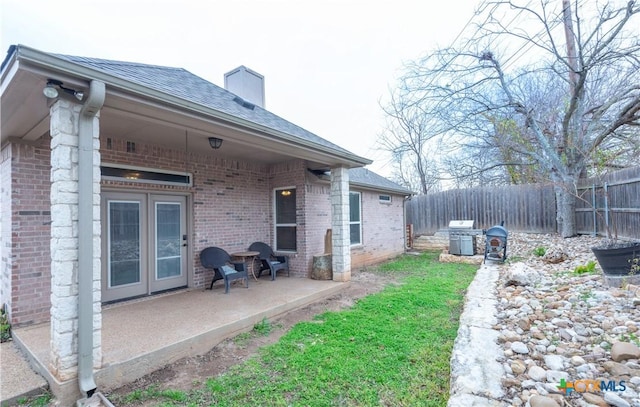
x=64, y=128
x=341, y=253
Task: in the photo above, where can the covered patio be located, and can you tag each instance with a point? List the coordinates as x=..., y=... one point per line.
x=117, y=175
x=141, y=336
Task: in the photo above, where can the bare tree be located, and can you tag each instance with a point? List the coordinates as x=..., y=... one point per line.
x=407, y=138
x=547, y=87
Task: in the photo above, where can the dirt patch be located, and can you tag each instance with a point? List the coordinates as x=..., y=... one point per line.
x=188, y=373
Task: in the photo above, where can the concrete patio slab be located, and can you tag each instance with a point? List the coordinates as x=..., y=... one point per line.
x=141, y=336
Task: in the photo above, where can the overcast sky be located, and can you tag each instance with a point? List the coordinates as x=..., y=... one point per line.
x=327, y=64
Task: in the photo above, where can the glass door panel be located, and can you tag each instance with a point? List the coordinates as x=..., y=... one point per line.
x=124, y=243
x=124, y=264
x=168, y=240
x=169, y=251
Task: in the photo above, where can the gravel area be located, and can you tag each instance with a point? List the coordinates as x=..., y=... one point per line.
x=557, y=326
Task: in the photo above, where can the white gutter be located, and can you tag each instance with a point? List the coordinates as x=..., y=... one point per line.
x=85, y=235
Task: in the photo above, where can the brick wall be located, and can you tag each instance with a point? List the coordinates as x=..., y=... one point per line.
x=5, y=226
x=230, y=199
x=318, y=214
x=382, y=230
x=231, y=206
x=26, y=189
x=382, y=227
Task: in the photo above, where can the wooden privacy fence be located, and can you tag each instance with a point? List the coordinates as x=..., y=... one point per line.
x=530, y=208
x=609, y=203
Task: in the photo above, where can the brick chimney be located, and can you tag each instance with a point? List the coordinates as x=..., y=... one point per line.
x=247, y=84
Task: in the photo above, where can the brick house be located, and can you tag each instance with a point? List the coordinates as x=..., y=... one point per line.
x=115, y=175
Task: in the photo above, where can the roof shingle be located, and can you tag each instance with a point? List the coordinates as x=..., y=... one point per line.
x=179, y=82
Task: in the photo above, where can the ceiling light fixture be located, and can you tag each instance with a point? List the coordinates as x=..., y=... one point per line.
x=51, y=92
x=215, y=142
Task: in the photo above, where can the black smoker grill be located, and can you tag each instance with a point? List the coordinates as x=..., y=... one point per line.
x=462, y=237
x=496, y=245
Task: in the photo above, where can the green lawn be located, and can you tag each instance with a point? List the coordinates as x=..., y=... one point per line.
x=391, y=349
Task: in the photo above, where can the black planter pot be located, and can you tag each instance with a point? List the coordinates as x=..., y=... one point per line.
x=617, y=260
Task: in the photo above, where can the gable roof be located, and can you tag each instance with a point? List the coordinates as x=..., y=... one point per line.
x=363, y=177
x=188, y=86
x=367, y=179
x=178, y=88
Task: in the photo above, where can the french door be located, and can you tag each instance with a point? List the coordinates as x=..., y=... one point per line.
x=143, y=244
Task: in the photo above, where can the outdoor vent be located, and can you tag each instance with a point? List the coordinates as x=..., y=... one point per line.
x=244, y=103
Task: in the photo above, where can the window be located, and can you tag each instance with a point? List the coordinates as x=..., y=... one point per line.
x=144, y=175
x=384, y=198
x=355, y=218
x=285, y=219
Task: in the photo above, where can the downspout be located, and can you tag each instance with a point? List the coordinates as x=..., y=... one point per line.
x=85, y=236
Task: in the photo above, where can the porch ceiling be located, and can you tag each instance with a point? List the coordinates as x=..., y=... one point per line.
x=139, y=119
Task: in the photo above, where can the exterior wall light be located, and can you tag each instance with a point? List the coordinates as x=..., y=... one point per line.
x=215, y=142
x=50, y=91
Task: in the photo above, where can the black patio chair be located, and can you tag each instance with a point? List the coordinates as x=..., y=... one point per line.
x=268, y=260
x=224, y=269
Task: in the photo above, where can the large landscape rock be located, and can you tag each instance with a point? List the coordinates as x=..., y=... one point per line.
x=624, y=350
x=520, y=274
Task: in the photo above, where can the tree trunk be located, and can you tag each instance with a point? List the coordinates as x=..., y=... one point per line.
x=566, y=208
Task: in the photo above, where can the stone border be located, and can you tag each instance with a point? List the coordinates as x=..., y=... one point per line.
x=476, y=373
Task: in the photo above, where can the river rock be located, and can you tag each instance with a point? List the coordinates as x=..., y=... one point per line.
x=554, y=255
x=542, y=401
x=624, y=350
x=537, y=373
x=594, y=399
x=613, y=399
x=519, y=347
x=554, y=362
x=616, y=369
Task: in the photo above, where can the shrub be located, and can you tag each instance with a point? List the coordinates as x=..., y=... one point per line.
x=5, y=327
x=590, y=267
x=539, y=251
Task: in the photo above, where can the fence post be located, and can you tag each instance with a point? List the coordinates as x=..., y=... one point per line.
x=595, y=210
x=606, y=209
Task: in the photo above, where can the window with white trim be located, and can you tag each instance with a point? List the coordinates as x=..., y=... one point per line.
x=285, y=219
x=384, y=198
x=355, y=218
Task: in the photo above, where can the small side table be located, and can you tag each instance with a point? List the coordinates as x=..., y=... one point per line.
x=247, y=256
